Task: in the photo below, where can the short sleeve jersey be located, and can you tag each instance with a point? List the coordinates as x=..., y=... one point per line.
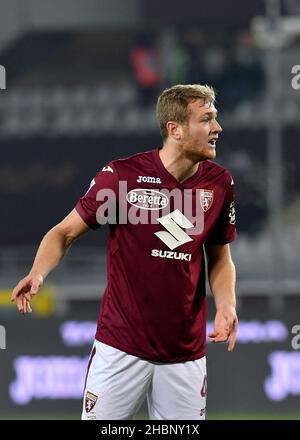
x=154, y=305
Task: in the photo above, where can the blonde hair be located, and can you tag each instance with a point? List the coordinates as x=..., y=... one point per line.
x=172, y=104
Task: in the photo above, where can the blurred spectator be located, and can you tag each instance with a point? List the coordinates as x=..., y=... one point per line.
x=243, y=77
x=147, y=68
x=175, y=58
x=195, y=45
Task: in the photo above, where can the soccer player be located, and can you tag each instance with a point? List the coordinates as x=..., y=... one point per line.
x=167, y=209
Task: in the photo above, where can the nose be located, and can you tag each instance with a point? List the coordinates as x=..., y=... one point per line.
x=217, y=127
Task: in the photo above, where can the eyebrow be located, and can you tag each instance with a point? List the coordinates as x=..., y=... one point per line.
x=210, y=113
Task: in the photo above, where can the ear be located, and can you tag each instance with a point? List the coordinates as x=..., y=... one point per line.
x=174, y=130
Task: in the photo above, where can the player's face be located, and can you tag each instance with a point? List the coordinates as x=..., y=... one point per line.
x=200, y=133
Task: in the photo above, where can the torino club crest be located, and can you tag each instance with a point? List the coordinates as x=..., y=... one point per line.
x=90, y=401
x=206, y=199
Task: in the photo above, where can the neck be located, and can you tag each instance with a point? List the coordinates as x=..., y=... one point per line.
x=177, y=163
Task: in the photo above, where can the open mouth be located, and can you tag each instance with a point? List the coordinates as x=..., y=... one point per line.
x=212, y=142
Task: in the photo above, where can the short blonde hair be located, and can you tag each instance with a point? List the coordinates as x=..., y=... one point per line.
x=172, y=104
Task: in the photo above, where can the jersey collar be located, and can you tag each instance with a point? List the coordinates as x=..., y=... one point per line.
x=188, y=183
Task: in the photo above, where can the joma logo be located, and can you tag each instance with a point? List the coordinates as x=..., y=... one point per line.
x=146, y=179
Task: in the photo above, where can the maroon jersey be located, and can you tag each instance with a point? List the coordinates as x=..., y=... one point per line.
x=154, y=304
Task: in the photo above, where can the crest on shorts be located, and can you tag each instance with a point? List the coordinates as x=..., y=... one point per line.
x=206, y=199
x=90, y=401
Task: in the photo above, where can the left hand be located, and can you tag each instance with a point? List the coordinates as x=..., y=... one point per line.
x=225, y=326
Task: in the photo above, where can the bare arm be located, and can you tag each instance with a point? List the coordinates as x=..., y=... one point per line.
x=52, y=249
x=222, y=278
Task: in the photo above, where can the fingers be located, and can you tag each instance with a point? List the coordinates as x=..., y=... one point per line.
x=223, y=337
x=17, y=290
x=225, y=326
x=33, y=291
x=28, y=285
x=218, y=337
x=24, y=286
x=232, y=337
x=28, y=307
x=222, y=334
x=19, y=301
x=23, y=304
x=29, y=296
x=24, y=291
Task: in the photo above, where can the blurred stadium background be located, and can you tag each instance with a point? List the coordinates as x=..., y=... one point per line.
x=82, y=78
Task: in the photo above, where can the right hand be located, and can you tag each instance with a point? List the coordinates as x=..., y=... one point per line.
x=25, y=290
